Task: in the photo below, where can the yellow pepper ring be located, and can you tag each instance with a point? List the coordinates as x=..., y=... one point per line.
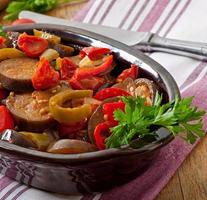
x=70, y=115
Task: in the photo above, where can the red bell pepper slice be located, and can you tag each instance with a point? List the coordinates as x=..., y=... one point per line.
x=23, y=21
x=44, y=76
x=33, y=46
x=67, y=68
x=108, y=110
x=94, y=53
x=87, y=72
x=128, y=73
x=93, y=83
x=2, y=42
x=110, y=92
x=3, y=94
x=6, y=120
x=70, y=131
x=101, y=132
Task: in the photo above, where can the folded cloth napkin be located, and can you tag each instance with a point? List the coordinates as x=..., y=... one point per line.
x=169, y=18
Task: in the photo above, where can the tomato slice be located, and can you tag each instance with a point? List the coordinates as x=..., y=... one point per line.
x=108, y=110
x=45, y=76
x=67, y=68
x=23, y=21
x=33, y=46
x=128, y=73
x=94, y=53
x=6, y=120
x=101, y=132
x=110, y=92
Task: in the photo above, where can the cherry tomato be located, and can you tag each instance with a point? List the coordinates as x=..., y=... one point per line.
x=6, y=120
x=108, y=110
x=110, y=92
x=23, y=21
x=94, y=53
x=45, y=76
x=128, y=73
x=101, y=132
x=33, y=46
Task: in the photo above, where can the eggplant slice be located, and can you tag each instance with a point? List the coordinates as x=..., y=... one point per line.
x=16, y=73
x=31, y=110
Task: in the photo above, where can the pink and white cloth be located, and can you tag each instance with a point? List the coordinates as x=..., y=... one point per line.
x=169, y=18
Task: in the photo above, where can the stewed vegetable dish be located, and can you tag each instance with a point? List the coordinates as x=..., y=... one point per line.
x=57, y=99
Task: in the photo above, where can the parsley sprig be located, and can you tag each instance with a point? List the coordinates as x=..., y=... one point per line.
x=2, y=33
x=139, y=121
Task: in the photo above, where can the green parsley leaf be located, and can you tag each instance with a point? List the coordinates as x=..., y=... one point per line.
x=140, y=121
x=40, y=6
x=2, y=33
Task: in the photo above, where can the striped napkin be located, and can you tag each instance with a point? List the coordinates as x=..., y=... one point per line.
x=169, y=18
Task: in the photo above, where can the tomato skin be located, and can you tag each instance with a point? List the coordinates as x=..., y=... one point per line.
x=128, y=73
x=87, y=72
x=67, y=68
x=45, y=76
x=93, y=83
x=6, y=120
x=108, y=110
x=23, y=21
x=110, y=92
x=94, y=53
x=101, y=132
x=33, y=46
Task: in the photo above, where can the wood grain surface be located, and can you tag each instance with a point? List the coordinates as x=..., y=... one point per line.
x=190, y=180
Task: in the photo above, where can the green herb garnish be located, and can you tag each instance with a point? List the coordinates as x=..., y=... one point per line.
x=2, y=33
x=15, y=7
x=138, y=120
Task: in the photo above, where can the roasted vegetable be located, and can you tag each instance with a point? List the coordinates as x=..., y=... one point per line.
x=70, y=115
x=44, y=76
x=17, y=138
x=16, y=74
x=49, y=54
x=31, y=110
x=63, y=50
x=53, y=39
x=68, y=146
x=7, y=53
x=31, y=45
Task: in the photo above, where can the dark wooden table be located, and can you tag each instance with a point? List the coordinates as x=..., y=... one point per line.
x=190, y=180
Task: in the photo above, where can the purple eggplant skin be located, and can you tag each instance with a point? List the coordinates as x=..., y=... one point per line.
x=16, y=138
